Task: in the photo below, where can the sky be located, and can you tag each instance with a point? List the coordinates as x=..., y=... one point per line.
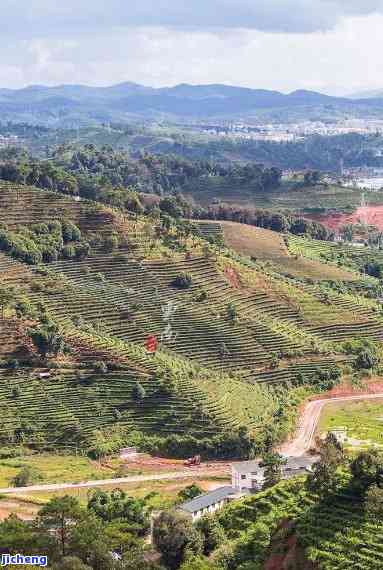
x=333, y=46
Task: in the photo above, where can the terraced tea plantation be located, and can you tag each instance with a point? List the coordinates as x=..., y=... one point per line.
x=234, y=335
x=333, y=534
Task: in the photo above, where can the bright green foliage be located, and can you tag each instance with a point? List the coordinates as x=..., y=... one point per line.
x=43, y=242
x=272, y=463
x=190, y=492
x=116, y=505
x=212, y=532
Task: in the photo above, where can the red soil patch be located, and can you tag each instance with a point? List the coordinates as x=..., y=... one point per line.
x=374, y=386
x=371, y=215
x=233, y=278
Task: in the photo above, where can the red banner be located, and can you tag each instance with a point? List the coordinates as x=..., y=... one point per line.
x=151, y=343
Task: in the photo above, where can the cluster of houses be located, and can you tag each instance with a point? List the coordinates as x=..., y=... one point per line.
x=247, y=477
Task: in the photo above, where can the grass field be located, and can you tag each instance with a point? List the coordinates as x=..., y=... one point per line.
x=267, y=245
x=54, y=469
x=362, y=419
x=165, y=490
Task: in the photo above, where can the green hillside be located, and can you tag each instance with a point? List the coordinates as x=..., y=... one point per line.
x=241, y=342
x=298, y=529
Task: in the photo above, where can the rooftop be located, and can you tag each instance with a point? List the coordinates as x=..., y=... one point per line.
x=208, y=499
x=293, y=463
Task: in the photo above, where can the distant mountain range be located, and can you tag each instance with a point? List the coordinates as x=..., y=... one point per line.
x=69, y=105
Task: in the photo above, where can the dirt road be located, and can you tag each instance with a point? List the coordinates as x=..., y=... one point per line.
x=184, y=474
x=304, y=437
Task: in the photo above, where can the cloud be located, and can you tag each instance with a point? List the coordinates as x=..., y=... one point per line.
x=47, y=17
x=334, y=61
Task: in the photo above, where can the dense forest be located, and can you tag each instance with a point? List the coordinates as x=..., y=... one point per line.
x=96, y=173
x=314, y=152
x=116, y=179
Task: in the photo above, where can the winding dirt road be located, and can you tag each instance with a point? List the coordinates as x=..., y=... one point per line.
x=304, y=436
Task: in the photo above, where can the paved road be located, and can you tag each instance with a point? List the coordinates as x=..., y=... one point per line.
x=304, y=437
x=190, y=473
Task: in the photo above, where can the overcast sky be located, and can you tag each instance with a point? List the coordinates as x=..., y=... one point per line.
x=334, y=46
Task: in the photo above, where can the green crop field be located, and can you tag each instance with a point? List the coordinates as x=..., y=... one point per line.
x=363, y=421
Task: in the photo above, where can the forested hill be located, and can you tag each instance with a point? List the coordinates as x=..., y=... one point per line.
x=104, y=173
x=316, y=152
x=70, y=104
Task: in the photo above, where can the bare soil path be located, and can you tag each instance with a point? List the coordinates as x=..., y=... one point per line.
x=184, y=474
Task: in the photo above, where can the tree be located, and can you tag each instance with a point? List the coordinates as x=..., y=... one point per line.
x=272, y=463
x=138, y=392
x=324, y=478
x=116, y=505
x=7, y=297
x=89, y=542
x=212, y=532
x=231, y=312
x=71, y=563
x=374, y=502
x=197, y=563
x=47, y=339
x=189, y=493
x=58, y=517
x=174, y=536
x=312, y=178
x=21, y=536
x=367, y=470
x=182, y=281
x=347, y=232
x=26, y=476
x=365, y=359
x=252, y=545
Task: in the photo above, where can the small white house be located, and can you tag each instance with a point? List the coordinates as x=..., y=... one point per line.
x=246, y=475
x=249, y=475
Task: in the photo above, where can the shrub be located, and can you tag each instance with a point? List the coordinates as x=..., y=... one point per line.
x=366, y=359
x=70, y=232
x=182, y=281
x=139, y=392
x=82, y=250
x=68, y=251
x=100, y=366
x=26, y=476
x=231, y=312
x=111, y=242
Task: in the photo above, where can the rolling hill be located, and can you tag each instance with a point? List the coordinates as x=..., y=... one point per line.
x=66, y=104
x=244, y=339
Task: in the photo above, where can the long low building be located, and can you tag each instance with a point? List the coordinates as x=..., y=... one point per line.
x=210, y=502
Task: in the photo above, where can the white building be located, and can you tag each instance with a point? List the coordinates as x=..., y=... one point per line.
x=209, y=502
x=249, y=475
x=246, y=477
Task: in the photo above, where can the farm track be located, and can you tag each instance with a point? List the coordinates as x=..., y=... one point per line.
x=185, y=474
